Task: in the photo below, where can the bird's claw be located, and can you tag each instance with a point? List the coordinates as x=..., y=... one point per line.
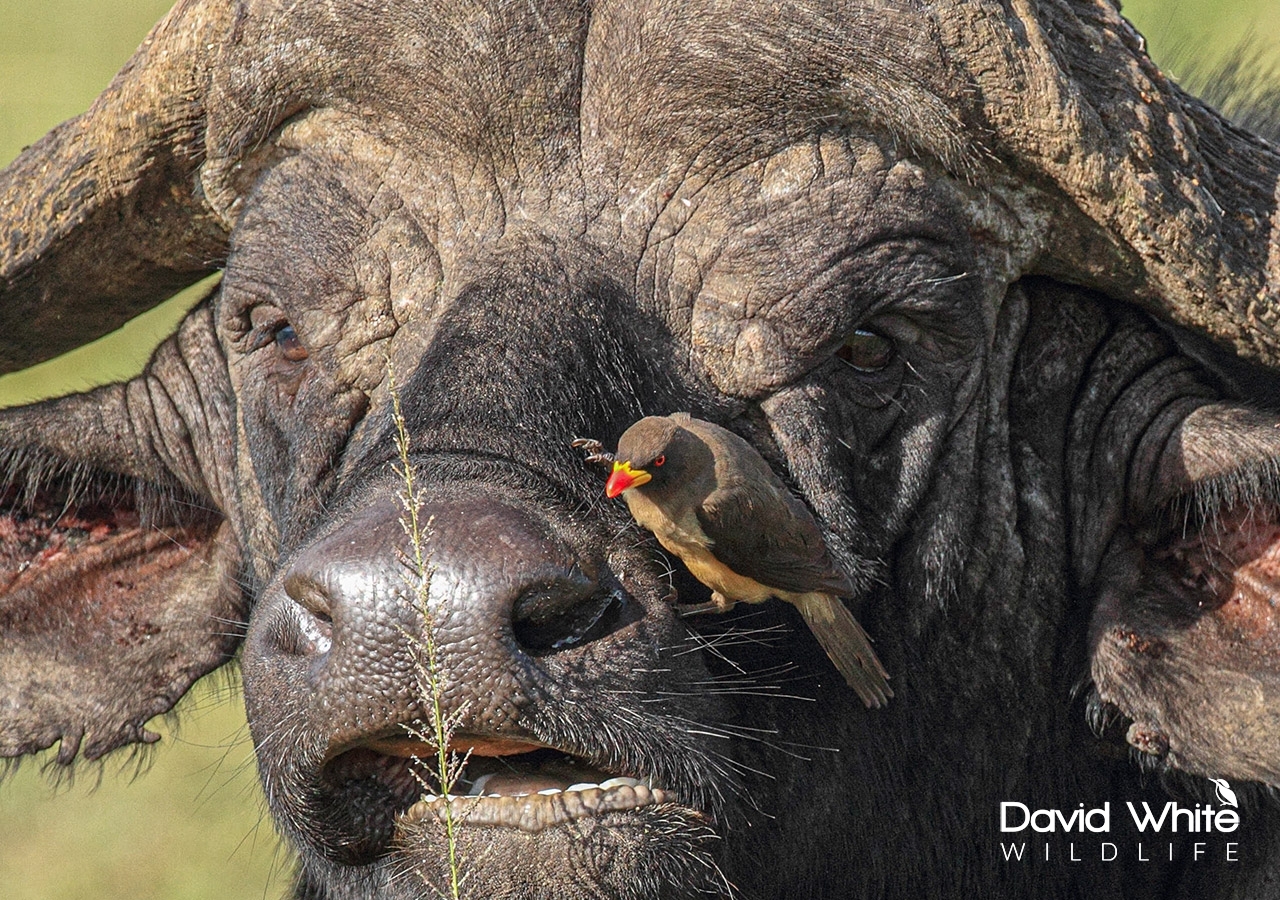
x=596, y=453
x=718, y=604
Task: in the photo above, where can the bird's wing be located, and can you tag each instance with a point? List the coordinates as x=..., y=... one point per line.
x=761, y=531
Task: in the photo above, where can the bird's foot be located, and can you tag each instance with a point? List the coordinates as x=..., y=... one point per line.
x=594, y=449
x=718, y=603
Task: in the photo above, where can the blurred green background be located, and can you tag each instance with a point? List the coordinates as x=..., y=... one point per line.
x=192, y=826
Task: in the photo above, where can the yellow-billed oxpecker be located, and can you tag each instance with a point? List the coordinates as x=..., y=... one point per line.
x=712, y=500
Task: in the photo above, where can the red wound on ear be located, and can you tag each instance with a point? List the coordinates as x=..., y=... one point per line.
x=1186, y=642
x=46, y=533
x=1234, y=568
x=121, y=615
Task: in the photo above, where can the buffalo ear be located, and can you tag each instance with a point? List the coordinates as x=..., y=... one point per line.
x=1185, y=637
x=107, y=617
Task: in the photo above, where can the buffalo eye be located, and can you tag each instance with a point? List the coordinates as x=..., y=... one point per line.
x=289, y=344
x=867, y=351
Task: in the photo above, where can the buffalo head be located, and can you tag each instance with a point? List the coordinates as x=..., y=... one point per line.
x=993, y=296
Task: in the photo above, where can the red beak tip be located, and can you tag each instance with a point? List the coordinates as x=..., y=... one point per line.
x=617, y=483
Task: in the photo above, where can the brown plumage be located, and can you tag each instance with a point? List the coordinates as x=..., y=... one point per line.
x=713, y=501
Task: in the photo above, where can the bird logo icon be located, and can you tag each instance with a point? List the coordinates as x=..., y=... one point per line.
x=1226, y=796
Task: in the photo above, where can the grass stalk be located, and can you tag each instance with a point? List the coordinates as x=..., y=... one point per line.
x=448, y=765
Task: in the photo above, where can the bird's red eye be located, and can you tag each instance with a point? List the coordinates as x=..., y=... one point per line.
x=660, y=460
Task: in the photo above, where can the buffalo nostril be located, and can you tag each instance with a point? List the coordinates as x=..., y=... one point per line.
x=310, y=595
x=549, y=619
x=315, y=631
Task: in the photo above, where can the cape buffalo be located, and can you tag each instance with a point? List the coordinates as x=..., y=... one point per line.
x=994, y=297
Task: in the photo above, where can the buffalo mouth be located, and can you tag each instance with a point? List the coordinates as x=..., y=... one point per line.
x=502, y=784
x=534, y=794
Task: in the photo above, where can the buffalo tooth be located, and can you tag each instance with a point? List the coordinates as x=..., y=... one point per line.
x=582, y=786
x=547, y=792
x=619, y=782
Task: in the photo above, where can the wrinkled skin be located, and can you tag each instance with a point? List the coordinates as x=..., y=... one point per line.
x=1060, y=515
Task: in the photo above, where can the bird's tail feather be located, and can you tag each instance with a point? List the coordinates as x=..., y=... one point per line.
x=847, y=645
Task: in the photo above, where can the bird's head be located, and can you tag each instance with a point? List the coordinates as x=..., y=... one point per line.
x=657, y=452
